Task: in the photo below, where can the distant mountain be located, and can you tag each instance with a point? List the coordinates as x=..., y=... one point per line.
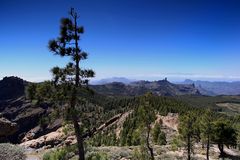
x=161, y=87
x=111, y=80
x=215, y=88
x=12, y=87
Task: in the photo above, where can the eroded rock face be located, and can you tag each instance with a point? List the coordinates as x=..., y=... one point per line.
x=39, y=131
x=170, y=121
x=7, y=127
x=24, y=114
x=51, y=139
x=21, y=112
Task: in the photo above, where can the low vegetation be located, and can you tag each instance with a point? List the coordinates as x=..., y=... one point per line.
x=11, y=152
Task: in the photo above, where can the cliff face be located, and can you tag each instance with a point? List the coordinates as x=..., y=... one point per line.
x=12, y=87
x=22, y=113
x=15, y=108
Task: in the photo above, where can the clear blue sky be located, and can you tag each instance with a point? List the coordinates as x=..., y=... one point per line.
x=138, y=39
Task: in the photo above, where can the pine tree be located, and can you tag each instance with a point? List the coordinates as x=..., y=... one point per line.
x=187, y=131
x=31, y=91
x=148, y=116
x=206, y=127
x=72, y=77
x=159, y=136
x=156, y=132
x=224, y=134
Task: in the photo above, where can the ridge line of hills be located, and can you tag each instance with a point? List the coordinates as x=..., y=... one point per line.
x=209, y=88
x=13, y=87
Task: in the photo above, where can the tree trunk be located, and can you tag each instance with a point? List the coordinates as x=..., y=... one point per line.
x=208, y=146
x=148, y=145
x=189, y=146
x=74, y=97
x=77, y=129
x=79, y=139
x=221, y=149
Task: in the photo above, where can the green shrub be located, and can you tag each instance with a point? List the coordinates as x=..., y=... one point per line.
x=11, y=152
x=162, y=139
x=59, y=154
x=176, y=143
x=47, y=156
x=97, y=156
x=141, y=153
x=159, y=136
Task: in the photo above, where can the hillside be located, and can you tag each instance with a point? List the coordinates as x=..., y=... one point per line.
x=120, y=137
x=39, y=117
x=12, y=87
x=114, y=124
x=161, y=88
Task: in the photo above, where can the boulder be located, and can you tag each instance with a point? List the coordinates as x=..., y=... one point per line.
x=51, y=139
x=7, y=127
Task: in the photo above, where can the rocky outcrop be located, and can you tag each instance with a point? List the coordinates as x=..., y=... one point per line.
x=12, y=87
x=58, y=138
x=171, y=120
x=39, y=131
x=51, y=139
x=7, y=127
x=24, y=114
x=14, y=106
x=169, y=125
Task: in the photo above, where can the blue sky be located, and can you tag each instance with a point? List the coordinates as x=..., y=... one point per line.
x=138, y=39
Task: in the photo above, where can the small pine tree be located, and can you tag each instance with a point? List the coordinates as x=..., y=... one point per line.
x=162, y=138
x=147, y=115
x=206, y=128
x=159, y=136
x=224, y=134
x=187, y=131
x=31, y=91
x=156, y=132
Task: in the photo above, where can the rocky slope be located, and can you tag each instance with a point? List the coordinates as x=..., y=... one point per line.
x=23, y=113
x=18, y=110
x=170, y=123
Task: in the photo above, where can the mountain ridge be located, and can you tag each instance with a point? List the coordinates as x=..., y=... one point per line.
x=216, y=87
x=13, y=87
x=160, y=87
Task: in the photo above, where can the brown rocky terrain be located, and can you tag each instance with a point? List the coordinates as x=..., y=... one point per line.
x=7, y=128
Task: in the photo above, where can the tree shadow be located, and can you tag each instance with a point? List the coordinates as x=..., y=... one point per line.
x=232, y=157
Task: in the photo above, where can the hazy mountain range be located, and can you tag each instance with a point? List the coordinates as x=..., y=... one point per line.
x=204, y=87
x=11, y=87
x=110, y=80
x=161, y=87
x=216, y=88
